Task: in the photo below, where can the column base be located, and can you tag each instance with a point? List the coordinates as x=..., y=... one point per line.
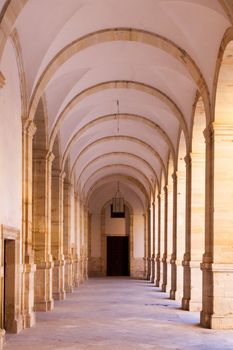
x=2, y=338
x=59, y=295
x=76, y=272
x=164, y=274
x=44, y=305
x=29, y=320
x=157, y=273
x=191, y=305
x=69, y=288
x=152, y=269
x=58, y=280
x=43, y=287
x=217, y=295
x=192, y=299
x=164, y=288
x=28, y=314
x=172, y=294
x=217, y=322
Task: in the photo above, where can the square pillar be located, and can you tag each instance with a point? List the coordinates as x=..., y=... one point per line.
x=28, y=265
x=42, y=162
x=66, y=236
x=57, y=235
x=217, y=265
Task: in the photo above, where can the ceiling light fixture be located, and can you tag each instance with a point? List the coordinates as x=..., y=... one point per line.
x=118, y=204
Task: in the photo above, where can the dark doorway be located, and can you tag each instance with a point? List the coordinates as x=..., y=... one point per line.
x=117, y=256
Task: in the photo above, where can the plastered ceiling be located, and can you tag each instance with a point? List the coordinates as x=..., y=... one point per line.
x=152, y=56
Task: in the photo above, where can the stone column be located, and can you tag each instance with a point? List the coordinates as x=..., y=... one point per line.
x=57, y=235
x=195, y=213
x=174, y=238
x=77, y=244
x=66, y=236
x=81, y=220
x=86, y=215
x=147, y=244
x=217, y=266
x=152, y=274
x=162, y=212
x=42, y=164
x=164, y=258
x=28, y=266
x=158, y=252
x=181, y=226
x=169, y=234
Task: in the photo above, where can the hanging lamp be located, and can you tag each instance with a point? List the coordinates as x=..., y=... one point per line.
x=118, y=204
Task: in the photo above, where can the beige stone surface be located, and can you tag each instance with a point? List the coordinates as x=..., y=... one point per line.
x=118, y=313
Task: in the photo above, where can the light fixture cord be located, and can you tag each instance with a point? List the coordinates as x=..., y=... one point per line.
x=118, y=116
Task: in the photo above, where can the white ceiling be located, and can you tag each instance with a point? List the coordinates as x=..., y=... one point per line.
x=82, y=85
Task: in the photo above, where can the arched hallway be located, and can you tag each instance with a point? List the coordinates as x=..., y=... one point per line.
x=116, y=313
x=116, y=157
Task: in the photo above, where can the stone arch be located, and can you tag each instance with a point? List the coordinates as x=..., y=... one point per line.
x=133, y=117
x=129, y=138
x=120, y=176
x=117, y=34
x=121, y=84
x=117, y=153
x=9, y=14
x=123, y=166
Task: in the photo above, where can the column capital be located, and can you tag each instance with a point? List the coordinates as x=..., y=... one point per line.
x=2, y=80
x=208, y=133
x=174, y=176
x=187, y=160
x=50, y=156
x=62, y=174
x=29, y=127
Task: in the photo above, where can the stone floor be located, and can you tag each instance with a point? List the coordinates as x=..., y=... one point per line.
x=118, y=313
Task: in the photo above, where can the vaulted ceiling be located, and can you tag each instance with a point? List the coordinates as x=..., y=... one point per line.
x=152, y=56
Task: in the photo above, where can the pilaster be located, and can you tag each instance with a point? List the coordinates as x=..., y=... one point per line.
x=57, y=235
x=164, y=253
x=28, y=266
x=217, y=267
x=42, y=229
x=66, y=236
x=174, y=238
x=158, y=252
x=152, y=274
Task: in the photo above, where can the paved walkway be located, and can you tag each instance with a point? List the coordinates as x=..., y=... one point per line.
x=118, y=313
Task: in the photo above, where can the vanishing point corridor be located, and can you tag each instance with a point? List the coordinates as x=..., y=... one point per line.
x=118, y=313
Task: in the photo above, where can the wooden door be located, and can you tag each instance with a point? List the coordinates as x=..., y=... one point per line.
x=117, y=256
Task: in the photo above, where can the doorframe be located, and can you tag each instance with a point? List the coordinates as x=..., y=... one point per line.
x=15, y=324
x=104, y=235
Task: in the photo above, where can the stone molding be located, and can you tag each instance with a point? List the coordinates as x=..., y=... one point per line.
x=2, y=80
